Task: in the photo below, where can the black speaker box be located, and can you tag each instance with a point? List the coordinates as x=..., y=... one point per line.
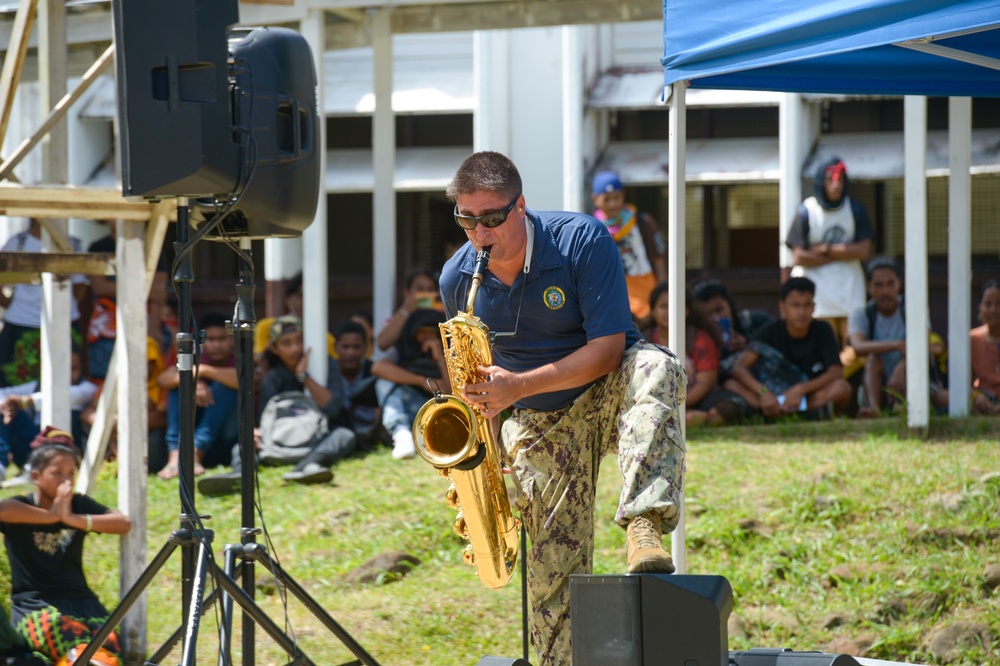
x=650, y=619
x=274, y=94
x=786, y=657
x=175, y=120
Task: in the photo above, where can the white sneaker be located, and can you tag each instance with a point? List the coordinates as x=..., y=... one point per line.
x=402, y=444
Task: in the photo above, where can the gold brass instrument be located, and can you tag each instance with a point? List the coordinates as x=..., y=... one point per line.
x=459, y=442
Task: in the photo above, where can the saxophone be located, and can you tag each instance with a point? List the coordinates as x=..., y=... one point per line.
x=459, y=442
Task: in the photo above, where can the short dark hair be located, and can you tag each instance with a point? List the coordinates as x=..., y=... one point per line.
x=800, y=284
x=879, y=263
x=417, y=272
x=212, y=320
x=706, y=290
x=658, y=291
x=348, y=327
x=294, y=285
x=989, y=284
x=44, y=454
x=485, y=171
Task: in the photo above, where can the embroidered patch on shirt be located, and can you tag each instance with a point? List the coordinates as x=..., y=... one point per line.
x=554, y=297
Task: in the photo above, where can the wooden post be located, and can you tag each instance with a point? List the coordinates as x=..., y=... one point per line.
x=132, y=370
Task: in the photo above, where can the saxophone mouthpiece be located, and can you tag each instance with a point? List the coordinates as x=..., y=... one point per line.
x=482, y=259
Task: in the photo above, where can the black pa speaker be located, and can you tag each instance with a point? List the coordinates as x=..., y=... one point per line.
x=650, y=619
x=274, y=98
x=786, y=657
x=175, y=120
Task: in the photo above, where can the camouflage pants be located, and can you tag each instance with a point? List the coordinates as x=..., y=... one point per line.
x=555, y=459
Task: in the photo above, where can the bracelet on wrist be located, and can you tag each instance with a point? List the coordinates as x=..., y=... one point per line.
x=762, y=390
x=302, y=377
x=404, y=312
x=90, y=522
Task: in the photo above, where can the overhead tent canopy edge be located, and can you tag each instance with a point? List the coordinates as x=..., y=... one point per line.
x=856, y=46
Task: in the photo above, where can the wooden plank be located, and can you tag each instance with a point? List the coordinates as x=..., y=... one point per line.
x=58, y=111
x=13, y=63
x=100, y=430
x=159, y=218
x=59, y=233
x=58, y=263
x=55, y=201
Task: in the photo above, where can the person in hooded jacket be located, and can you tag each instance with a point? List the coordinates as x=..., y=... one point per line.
x=831, y=235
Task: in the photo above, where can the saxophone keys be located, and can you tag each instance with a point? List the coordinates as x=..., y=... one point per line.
x=451, y=497
x=469, y=557
x=461, y=529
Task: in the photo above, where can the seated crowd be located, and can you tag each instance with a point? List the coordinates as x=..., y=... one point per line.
x=745, y=366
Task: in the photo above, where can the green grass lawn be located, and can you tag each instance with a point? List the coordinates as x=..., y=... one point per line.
x=828, y=533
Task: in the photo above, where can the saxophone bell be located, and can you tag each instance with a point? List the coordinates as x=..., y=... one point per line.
x=447, y=434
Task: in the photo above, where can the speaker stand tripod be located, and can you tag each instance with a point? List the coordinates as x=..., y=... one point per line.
x=195, y=542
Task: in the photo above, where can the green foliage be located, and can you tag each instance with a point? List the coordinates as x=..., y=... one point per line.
x=806, y=522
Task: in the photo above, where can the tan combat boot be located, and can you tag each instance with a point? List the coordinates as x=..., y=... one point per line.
x=645, y=548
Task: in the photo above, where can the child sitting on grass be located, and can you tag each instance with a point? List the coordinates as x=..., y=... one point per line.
x=53, y=607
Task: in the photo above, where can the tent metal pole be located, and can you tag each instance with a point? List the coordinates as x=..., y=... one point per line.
x=915, y=244
x=959, y=252
x=676, y=268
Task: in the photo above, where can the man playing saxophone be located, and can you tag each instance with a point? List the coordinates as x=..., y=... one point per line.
x=579, y=379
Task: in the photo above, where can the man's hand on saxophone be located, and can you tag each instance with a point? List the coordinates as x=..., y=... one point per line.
x=499, y=390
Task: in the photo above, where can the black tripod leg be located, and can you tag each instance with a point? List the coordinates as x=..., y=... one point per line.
x=300, y=593
x=254, y=611
x=168, y=645
x=194, y=610
x=227, y=610
x=118, y=614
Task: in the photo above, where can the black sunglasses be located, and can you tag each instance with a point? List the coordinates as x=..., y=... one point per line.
x=488, y=220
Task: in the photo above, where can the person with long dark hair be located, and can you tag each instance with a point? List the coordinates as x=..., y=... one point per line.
x=707, y=402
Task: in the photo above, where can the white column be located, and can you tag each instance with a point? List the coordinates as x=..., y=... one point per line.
x=915, y=245
x=384, y=157
x=793, y=148
x=573, y=102
x=315, y=276
x=676, y=265
x=56, y=294
x=283, y=256
x=131, y=371
x=959, y=253
x=536, y=115
x=491, y=83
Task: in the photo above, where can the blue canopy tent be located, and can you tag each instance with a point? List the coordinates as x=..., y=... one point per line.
x=901, y=47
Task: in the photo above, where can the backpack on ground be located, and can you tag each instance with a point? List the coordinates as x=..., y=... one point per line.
x=290, y=426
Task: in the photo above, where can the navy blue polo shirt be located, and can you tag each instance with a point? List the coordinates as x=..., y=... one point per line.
x=574, y=292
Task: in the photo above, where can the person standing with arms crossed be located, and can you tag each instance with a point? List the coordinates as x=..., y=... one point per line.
x=830, y=236
x=578, y=378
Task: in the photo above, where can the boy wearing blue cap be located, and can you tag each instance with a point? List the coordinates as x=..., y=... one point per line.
x=638, y=237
